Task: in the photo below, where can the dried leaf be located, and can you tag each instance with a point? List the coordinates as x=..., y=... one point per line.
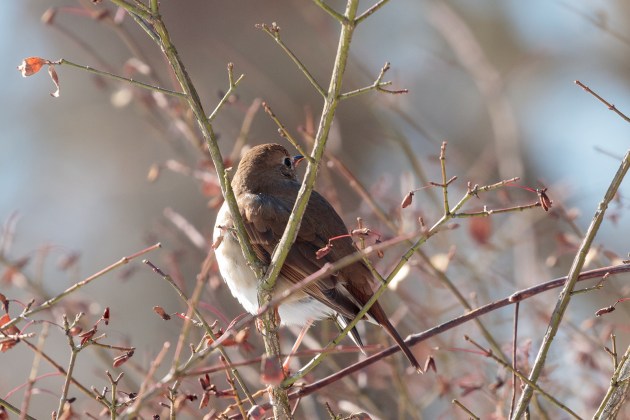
x=205, y=382
x=205, y=400
x=217, y=242
x=31, y=65
x=120, y=360
x=105, y=316
x=7, y=343
x=154, y=173
x=49, y=16
x=271, y=372
x=407, y=200
x=322, y=252
x=68, y=260
x=5, y=302
x=53, y=75
x=480, y=229
x=87, y=336
x=545, y=202
x=161, y=312
x=606, y=310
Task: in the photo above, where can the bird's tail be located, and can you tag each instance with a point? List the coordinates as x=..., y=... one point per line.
x=376, y=311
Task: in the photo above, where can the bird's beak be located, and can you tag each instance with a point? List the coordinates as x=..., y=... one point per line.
x=297, y=159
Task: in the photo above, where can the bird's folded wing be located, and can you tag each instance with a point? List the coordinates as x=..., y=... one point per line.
x=266, y=218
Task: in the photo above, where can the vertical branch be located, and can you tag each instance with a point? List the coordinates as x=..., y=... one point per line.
x=265, y=289
x=617, y=393
x=565, y=295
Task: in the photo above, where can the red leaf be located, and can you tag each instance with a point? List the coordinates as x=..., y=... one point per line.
x=407, y=200
x=8, y=343
x=322, y=252
x=31, y=65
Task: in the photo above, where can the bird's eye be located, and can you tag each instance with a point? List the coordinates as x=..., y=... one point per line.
x=287, y=162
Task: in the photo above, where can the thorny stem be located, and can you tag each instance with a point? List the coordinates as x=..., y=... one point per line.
x=565, y=295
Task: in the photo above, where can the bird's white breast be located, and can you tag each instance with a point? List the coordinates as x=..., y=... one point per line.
x=297, y=310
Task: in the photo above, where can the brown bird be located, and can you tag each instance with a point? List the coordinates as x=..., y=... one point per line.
x=266, y=188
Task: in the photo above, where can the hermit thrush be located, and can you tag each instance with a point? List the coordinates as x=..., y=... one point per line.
x=266, y=187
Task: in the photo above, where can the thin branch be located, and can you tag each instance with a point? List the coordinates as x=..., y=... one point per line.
x=602, y=100
x=282, y=130
x=523, y=378
x=370, y=11
x=10, y=407
x=50, y=302
x=332, y=12
x=565, y=295
x=230, y=91
x=103, y=73
x=617, y=392
x=378, y=85
x=471, y=415
x=514, y=345
x=74, y=351
x=331, y=102
x=444, y=186
x=274, y=32
x=206, y=327
x=32, y=377
x=455, y=322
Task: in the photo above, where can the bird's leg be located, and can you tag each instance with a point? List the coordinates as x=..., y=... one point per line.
x=298, y=341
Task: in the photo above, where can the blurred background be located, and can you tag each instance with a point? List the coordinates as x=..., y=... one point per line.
x=106, y=170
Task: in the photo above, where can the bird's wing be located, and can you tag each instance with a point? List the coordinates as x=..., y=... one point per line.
x=266, y=218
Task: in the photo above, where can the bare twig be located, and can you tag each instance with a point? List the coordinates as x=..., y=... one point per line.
x=602, y=100
x=565, y=295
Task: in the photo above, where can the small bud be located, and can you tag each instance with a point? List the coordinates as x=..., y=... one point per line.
x=161, y=312
x=106, y=316
x=205, y=400
x=120, y=360
x=322, y=252
x=606, y=310
x=87, y=336
x=545, y=202
x=407, y=200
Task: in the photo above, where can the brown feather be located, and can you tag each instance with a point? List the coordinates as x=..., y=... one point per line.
x=266, y=189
